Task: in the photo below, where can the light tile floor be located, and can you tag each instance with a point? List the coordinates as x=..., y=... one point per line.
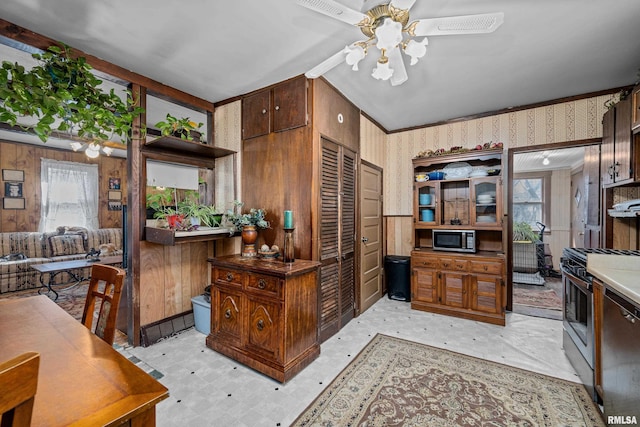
x=208, y=389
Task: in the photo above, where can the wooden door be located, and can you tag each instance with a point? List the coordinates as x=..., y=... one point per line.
x=424, y=286
x=337, y=238
x=486, y=291
x=371, y=236
x=453, y=289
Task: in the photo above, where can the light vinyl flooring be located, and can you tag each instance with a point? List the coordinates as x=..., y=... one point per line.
x=208, y=389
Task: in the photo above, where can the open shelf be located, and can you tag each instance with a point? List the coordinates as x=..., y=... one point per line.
x=166, y=236
x=183, y=146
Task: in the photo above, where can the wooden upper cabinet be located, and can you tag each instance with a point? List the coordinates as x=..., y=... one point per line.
x=278, y=108
x=617, y=163
x=256, y=114
x=290, y=104
x=635, y=109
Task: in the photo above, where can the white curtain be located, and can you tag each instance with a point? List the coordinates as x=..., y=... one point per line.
x=69, y=195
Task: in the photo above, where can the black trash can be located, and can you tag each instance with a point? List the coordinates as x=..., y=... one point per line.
x=397, y=273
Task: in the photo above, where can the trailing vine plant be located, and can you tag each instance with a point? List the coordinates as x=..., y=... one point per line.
x=63, y=87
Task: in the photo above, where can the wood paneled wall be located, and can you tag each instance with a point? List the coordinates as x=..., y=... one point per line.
x=26, y=157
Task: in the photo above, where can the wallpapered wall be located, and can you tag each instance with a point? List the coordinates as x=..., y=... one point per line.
x=567, y=121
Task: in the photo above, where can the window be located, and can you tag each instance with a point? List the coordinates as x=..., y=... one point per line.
x=69, y=195
x=530, y=193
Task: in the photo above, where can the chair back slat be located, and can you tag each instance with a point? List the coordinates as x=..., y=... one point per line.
x=18, y=382
x=112, y=280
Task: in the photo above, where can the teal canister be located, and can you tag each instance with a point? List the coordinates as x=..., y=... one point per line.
x=425, y=199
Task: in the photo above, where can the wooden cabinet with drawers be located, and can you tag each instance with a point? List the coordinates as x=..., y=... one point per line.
x=265, y=313
x=471, y=286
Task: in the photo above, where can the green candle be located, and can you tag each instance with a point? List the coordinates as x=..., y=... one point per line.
x=288, y=219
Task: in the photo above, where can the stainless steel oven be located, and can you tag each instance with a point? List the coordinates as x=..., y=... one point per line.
x=577, y=320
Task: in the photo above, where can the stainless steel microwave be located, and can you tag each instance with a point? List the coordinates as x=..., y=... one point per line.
x=454, y=240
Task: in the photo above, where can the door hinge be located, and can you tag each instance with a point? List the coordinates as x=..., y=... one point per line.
x=502, y=282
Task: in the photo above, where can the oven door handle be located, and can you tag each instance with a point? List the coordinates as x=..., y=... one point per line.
x=585, y=285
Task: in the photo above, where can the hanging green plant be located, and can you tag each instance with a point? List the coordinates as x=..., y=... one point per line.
x=63, y=87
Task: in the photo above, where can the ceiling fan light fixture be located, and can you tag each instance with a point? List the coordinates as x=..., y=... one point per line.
x=415, y=49
x=355, y=54
x=389, y=34
x=545, y=161
x=382, y=70
x=92, y=151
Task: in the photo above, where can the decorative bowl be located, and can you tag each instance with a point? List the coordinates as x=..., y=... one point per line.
x=269, y=254
x=422, y=178
x=437, y=175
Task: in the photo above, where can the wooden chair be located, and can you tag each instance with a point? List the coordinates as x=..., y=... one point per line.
x=18, y=384
x=113, y=279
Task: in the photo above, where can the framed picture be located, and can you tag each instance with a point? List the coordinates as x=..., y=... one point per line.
x=114, y=183
x=12, y=175
x=13, y=189
x=10, y=203
x=115, y=195
x=115, y=205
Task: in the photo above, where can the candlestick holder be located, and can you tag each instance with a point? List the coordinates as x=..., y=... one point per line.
x=289, y=255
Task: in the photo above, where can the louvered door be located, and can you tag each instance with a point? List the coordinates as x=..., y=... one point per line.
x=337, y=231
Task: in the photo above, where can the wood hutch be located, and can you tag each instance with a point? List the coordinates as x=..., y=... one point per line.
x=469, y=285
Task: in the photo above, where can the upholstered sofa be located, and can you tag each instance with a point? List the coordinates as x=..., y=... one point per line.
x=68, y=243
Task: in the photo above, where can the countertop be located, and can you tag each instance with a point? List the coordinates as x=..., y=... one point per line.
x=620, y=272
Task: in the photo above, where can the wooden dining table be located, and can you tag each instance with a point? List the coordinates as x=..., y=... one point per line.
x=82, y=380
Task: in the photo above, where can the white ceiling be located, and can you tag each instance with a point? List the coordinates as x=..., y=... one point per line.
x=546, y=49
x=564, y=158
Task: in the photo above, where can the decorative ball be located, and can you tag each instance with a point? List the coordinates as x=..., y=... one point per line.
x=275, y=248
x=264, y=248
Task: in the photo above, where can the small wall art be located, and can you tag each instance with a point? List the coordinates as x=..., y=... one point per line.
x=12, y=175
x=114, y=183
x=115, y=195
x=10, y=203
x=13, y=189
x=115, y=205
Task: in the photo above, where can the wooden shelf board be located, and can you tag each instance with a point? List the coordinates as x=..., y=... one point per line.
x=175, y=144
x=166, y=236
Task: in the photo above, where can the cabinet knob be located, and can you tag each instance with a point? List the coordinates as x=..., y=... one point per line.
x=260, y=325
x=229, y=276
x=264, y=111
x=262, y=284
x=277, y=107
x=227, y=313
x=486, y=268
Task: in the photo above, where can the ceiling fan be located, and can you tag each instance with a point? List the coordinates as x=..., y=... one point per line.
x=387, y=27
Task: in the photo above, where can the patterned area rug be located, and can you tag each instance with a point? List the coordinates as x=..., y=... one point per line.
x=394, y=382
x=543, y=298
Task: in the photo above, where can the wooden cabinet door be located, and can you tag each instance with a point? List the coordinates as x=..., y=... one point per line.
x=486, y=202
x=256, y=114
x=606, y=158
x=263, y=335
x=290, y=104
x=622, y=151
x=635, y=108
x=486, y=293
x=453, y=289
x=227, y=314
x=424, y=285
x=425, y=199
x=347, y=235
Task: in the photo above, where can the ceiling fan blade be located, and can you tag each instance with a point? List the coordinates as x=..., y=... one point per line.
x=335, y=10
x=326, y=65
x=396, y=62
x=402, y=4
x=467, y=24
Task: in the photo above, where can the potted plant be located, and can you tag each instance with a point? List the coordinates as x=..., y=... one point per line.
x=157, y=201
x=63, y=87
x=183, y=128
x=248, y=223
